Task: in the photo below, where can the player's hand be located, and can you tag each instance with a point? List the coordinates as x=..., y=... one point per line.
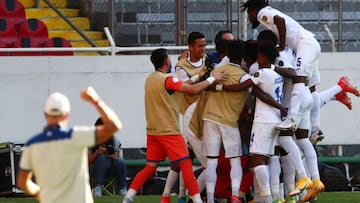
x=212, y=87
x=279, y=49
x=101, y=150
x=185, y=54
x=283, y=111
x=202, y=72
x=89, y=94
x=220, y=76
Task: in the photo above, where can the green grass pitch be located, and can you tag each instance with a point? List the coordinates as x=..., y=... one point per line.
x=325, y=197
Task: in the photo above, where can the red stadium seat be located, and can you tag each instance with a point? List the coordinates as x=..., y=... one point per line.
x=13, y=10
x=35, y=29
x=58, y=42
x=3, y=45
x=8, y=33
x=26, y=42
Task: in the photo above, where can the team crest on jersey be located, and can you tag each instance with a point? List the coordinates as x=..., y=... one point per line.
x=257, y=74
x=264, y=18
x=281, y=63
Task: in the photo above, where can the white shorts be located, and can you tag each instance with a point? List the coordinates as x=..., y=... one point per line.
x=315, y=79
x=307, y=57
x=264, y=137
x=216, y=134
x=302, y=118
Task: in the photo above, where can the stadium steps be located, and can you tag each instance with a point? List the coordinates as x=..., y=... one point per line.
x=57, y=27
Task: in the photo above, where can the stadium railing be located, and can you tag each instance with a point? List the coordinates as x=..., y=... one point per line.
x=112, y=49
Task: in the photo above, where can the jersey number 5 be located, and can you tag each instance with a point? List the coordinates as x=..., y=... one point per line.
x=298, y=62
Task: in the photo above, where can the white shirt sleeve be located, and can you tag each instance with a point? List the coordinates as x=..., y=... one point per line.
x=181, y=74
x=266, y=15
x=84, y=136
x=25, y=161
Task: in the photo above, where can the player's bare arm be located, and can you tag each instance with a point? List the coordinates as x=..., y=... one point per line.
x=111, y=121
x=280, y=24
x=286, y=72
x=234, y=87
x=25, y=183
x=198, y=87
x=268, y=99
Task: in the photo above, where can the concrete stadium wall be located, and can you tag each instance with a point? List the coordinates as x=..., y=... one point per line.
x=25, y=82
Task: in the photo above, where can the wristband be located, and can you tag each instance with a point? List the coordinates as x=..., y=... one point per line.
x=194, y=78
x=219, y=87
x=211, y=79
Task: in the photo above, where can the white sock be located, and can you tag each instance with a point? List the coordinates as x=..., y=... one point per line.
x=274, y=171
x=182, y=187
x=289, y=145
x=288, y=174
x=170, y=182
x=296, y=99
x=196, y=198
x=235, y=175
x=130, y=194
x=329, y=94
x=256, y=189
x=310, y=157
x=211, y=179
x=281, y=190
x=201, y=180
x=315, y=113
x=262, y=176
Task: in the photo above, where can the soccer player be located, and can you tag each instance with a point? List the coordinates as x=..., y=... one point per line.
x=163, y=131
x=190, y=68
x=290, y=33
x=264, y=135
x=220, y=117
x=57, y=156
x=221, y=111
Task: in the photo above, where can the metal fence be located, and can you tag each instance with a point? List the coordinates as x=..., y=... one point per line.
x=168, y=22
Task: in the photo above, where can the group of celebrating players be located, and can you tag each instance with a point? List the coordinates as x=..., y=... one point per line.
x=260, y=110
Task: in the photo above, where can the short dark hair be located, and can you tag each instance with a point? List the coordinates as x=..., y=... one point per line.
x=194, y=36
x=250, y=49
x=236, y=50
x=220, y=34
x=158, y=57
x=222, y=45
x=254, y=4
x=269, y=50
x=268, y=36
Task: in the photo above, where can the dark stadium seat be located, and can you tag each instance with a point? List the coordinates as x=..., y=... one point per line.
x=3, y=45
x=8, y=33
x=26, y=42
x=35, y=29
x=57, y=42
x=12, y=10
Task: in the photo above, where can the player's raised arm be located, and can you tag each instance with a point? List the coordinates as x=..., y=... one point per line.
x=111, y=121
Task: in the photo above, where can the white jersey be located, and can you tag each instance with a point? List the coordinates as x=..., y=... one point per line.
x=58, y=159
x=286, y=59
x=294, y=31
x=272, y=83
x=223, y=61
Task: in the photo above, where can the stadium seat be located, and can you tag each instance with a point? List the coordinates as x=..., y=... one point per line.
x=8, y=33
x=57, y=42
x=3, y=45
x=13, y=10
x=26, y=42
x=35, y=29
